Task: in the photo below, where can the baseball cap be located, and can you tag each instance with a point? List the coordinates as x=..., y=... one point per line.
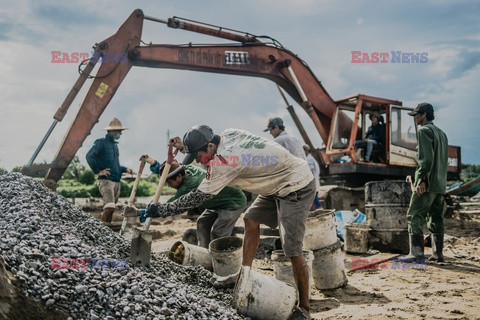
x=422, y=108
x=272, y=122
x=196, y=138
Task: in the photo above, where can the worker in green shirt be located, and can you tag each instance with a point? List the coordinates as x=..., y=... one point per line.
x=428, y=198
x=219, y=214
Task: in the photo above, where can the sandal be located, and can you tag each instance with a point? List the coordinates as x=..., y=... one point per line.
x=298, y=315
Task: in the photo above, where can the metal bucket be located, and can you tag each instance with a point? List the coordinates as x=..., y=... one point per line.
x=386, y=216
x=356, y=238
x=329, y=268
x=259, y=296
x=188, y=254
x=282, y=268
x=226, y=255
x=320, y=231
x=388, y=192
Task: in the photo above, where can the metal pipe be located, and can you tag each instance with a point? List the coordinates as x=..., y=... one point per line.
x=155, y=19
x=295, y=118
x=40, y=146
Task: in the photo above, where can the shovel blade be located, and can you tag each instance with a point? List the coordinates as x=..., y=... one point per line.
x=141, y=248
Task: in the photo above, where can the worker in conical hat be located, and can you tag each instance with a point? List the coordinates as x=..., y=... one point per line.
x=103, y=159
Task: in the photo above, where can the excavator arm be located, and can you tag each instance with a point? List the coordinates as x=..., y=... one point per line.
x=247, y=56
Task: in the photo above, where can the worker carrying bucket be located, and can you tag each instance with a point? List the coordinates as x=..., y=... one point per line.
x=284, y=183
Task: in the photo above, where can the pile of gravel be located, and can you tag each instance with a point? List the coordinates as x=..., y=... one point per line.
x=37, y=224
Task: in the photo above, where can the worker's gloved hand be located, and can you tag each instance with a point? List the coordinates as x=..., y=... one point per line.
x=156, y=211
x=130, y=211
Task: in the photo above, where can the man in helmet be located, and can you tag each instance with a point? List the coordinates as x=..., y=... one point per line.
x=103, y=159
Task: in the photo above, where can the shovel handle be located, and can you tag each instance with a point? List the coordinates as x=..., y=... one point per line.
x=135, y=184
x=163, y=179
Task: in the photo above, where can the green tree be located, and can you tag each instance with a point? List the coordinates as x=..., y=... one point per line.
x=470, y=172
x=87, y=177
x=74, y=170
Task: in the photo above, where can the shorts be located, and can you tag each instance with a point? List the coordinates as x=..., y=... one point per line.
x=289, y=213
x=110, y=191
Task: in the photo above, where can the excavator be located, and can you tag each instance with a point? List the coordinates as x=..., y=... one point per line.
x=338, y=122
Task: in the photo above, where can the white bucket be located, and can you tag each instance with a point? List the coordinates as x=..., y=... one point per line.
x=188, y=254
x=259, y=296
x=226, y=255
x=282, y=268
x=329, y=268
x=320, y=231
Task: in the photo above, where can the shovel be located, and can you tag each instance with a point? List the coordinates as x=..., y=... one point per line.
x=141, y=245
x=130, y=216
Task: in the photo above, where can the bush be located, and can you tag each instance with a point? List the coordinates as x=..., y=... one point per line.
x=153, y=178
x=144, y=189
x=87, y=177
x=74, y=192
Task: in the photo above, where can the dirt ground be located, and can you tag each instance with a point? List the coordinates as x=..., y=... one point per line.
x=449, y=290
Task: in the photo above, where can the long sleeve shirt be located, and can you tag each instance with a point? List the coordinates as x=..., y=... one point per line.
x=432, y=158
x=104, y=154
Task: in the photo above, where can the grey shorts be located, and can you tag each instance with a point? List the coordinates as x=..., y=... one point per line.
x=289, y=213
x=110, y=191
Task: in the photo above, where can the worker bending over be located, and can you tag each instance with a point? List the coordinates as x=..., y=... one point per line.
x=219, y=214
x=284, y=183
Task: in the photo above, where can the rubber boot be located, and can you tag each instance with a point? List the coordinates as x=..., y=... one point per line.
x=107, y=215
x=416, y=248
x=437, y=248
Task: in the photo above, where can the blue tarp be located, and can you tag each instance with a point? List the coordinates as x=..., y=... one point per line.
x=345, y=217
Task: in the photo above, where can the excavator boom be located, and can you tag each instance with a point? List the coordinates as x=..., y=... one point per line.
x=247, y=57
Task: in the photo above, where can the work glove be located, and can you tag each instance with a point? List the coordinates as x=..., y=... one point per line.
x=156, y=211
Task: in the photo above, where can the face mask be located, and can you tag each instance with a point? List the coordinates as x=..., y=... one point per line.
x=117, y=136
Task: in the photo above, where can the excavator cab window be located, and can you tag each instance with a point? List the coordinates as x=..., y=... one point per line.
x=404, y=133
x=341, y=132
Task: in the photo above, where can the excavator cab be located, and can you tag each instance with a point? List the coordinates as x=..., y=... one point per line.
x=392, y=156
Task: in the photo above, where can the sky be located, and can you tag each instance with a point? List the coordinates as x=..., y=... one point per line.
x=154, y=103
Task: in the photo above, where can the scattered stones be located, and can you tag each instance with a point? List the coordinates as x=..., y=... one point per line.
x=47, y=243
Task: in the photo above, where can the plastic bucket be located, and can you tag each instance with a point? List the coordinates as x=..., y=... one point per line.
x=226, y=253
x=320, y=231
x=329, y=268
x=282, y=268
x=259, y=296
x=188, y=254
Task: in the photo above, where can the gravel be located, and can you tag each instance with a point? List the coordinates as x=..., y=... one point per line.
x=37, y=225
